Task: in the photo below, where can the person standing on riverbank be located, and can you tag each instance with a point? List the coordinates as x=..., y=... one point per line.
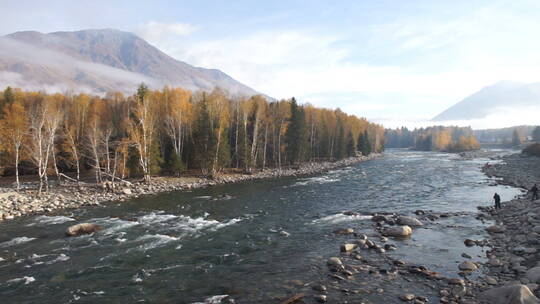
x=497, y=199
x=534, y=191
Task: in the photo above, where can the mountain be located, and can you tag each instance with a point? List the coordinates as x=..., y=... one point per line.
x=99, y=61
x=497, y=98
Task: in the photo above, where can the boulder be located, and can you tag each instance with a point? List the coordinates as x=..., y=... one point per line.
x=127, y=191
x=512, y=294
x=407, y=297
x=533, y=274
x=83, y=228
x=495, y=229
x=334, y=262
x=348, y=247
x=398, y=231
x=344, y=231
x=469, y=242
x=467, y=266
x=409, y=221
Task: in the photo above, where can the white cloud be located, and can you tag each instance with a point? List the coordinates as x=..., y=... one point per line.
x=414, y=67
x=156, y=32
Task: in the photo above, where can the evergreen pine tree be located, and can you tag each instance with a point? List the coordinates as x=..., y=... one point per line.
x=205, y=140
x=341, y=144
x=296, y=136
x=364, y=145
x=351, y=147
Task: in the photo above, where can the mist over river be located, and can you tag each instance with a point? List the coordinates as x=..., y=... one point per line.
x=258, y=242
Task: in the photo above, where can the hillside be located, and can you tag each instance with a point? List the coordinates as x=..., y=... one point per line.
x=99, y=61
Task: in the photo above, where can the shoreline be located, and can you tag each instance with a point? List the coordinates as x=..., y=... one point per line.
x=513, y=266
x=71, y=195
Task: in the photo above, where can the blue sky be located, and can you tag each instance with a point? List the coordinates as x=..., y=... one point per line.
x=385, y=60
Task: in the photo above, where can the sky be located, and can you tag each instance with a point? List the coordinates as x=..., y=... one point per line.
x=394, y=62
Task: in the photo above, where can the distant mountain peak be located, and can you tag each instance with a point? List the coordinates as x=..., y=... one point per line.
x=490, y=99
x=100, y=60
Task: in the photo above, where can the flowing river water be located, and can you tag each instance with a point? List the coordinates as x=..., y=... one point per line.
x=258, y=242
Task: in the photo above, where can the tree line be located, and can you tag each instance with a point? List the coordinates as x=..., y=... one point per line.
x=437, y=138
x=169, y=131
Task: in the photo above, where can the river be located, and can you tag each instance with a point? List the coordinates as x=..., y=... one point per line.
x=258, y=242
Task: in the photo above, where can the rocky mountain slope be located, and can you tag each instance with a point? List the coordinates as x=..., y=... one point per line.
x=99, y=61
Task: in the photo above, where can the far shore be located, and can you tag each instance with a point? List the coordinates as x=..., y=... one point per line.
x=71, y=195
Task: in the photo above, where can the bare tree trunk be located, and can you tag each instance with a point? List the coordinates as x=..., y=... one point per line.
x=265, y=145
x=17, y=167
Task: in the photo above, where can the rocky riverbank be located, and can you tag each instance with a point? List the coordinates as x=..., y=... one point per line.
x=512, y=273
x=74, y=195
x=509, y=274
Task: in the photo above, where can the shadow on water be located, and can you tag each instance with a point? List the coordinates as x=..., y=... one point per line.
x=257, y=241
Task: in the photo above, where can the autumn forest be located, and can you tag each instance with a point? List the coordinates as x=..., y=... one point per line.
x=168, y=132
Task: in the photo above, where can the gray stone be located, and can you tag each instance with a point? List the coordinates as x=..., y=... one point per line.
x=399, y=231
x=83, y=228
x=467, y=266
x=344, y=231
x=533, y=274
x=409, y=221
x=407, y=297
x=348, y=247
x=512, y=294
x=495, y=229
x=333, y=261
x=490, y=280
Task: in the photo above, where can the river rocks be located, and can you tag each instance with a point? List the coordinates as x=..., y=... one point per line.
x=127, y=191
x=533, y=274
x=319, y=288
x=334, y=262
x=83, y=228
x=348, y=247
x=398, y=231
x=469, y=242
x=407, y=297
x=513, y=294
x=284, y=233
x=390, y=247
x=321, y=298
x=344, y=231
x=456, y=281
x=467, y=266
x=490, y=280
x=495, y=229
x=409, y=221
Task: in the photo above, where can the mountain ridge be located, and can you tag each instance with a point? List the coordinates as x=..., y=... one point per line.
x=70, y=59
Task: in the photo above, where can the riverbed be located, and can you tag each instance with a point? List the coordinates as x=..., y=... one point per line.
x=255, y=242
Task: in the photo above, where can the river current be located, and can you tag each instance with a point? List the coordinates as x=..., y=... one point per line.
x=257, y=242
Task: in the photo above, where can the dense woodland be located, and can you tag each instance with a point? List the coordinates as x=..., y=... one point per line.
x=438, y=138
x=169, y=131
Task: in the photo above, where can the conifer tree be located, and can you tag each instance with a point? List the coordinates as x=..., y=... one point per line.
x=351, y=147
x=296, y=135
